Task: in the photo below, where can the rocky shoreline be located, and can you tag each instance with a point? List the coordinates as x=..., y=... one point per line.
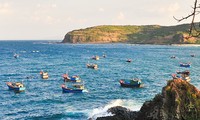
x=179, y=100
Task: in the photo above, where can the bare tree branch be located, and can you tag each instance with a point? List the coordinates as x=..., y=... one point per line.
x=193, y=32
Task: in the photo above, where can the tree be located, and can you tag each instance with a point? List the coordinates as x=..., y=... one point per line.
x=194, y=30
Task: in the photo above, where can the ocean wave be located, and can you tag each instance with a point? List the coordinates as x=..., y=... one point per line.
x=102, y=111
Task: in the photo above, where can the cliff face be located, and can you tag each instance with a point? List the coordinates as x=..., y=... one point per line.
x=179, y=100
x=149, y=34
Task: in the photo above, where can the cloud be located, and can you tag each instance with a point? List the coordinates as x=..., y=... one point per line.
x=161, y=11
x=121, y=16
x=173, y=7
x=5, y=8
x=119, y=19
x=101, y=10
x=54, y=5
x=170, y=9
x=82, y=21
x=38, y=5
x=44, y=13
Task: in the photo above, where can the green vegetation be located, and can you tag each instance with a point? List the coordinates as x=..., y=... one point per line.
x=146, y=34
x=186, y=97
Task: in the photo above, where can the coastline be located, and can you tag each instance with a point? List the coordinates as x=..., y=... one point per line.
x=189, y=45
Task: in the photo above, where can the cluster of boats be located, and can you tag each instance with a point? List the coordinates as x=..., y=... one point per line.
x=192, y=55
x=184, y=75
x=75, y=84
x=78, y=87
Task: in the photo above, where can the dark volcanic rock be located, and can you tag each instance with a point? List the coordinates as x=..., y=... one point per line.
x=120, y=113
x=179, y=100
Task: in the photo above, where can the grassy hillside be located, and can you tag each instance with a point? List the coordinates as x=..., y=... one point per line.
x=147, y=34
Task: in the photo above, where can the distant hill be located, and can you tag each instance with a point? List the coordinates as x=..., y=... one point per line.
x=146, y=34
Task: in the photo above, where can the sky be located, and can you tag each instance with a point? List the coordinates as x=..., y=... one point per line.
x=52, y=19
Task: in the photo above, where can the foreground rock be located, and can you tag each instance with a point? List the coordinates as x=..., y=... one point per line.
x=179, y=100
x=121, y=113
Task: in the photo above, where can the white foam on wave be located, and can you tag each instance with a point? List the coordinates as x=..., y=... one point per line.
x=102, y=111
x=85, y=91
x=35, y=51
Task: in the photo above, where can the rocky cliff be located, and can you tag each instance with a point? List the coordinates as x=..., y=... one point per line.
x=179, y=100
x=147, y=34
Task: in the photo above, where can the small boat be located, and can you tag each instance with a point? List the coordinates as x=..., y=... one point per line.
x=185, y=64
x=78, y=88
x=104, y=55
x=16, y=86
x=93, y=66
x=192, y=55
x=44, y=75
x=173, y=57
x=16, y=55
x=129, y=60
x=95, y=57
x=185, y=75
x=74, y=78
x=131, y=83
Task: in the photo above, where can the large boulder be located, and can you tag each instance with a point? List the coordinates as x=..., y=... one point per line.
x=179, y=100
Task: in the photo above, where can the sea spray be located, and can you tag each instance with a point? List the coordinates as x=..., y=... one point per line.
x=102, y=111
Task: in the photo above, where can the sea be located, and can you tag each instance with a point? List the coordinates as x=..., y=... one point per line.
x=44, y=99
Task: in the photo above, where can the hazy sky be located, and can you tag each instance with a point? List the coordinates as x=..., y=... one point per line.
x=52, y=19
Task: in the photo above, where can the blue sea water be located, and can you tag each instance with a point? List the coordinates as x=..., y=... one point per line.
x=43, y=99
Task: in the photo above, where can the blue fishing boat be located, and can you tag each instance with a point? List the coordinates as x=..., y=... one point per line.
x=17, y=86
x=131, y=83
x=74, y=78
x=78, y=88
x=185, y=64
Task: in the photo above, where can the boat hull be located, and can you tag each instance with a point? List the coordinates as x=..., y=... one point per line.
x=185, y=65
x=123, y=84
x=69, y=80
x=68, y=90
x=93, y=66
x=44, y=77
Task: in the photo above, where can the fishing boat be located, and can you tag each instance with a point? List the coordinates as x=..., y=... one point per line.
x=129, y=60
x=74, y=78
x=185, y=64
x=77, y=88
x=192, y=55
x=173, y=57
x=16, y=55
x=95, y=57
x=44, y=75
x=131, y=83
x=185, y=75
x=16, y=86
x=93, y=66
